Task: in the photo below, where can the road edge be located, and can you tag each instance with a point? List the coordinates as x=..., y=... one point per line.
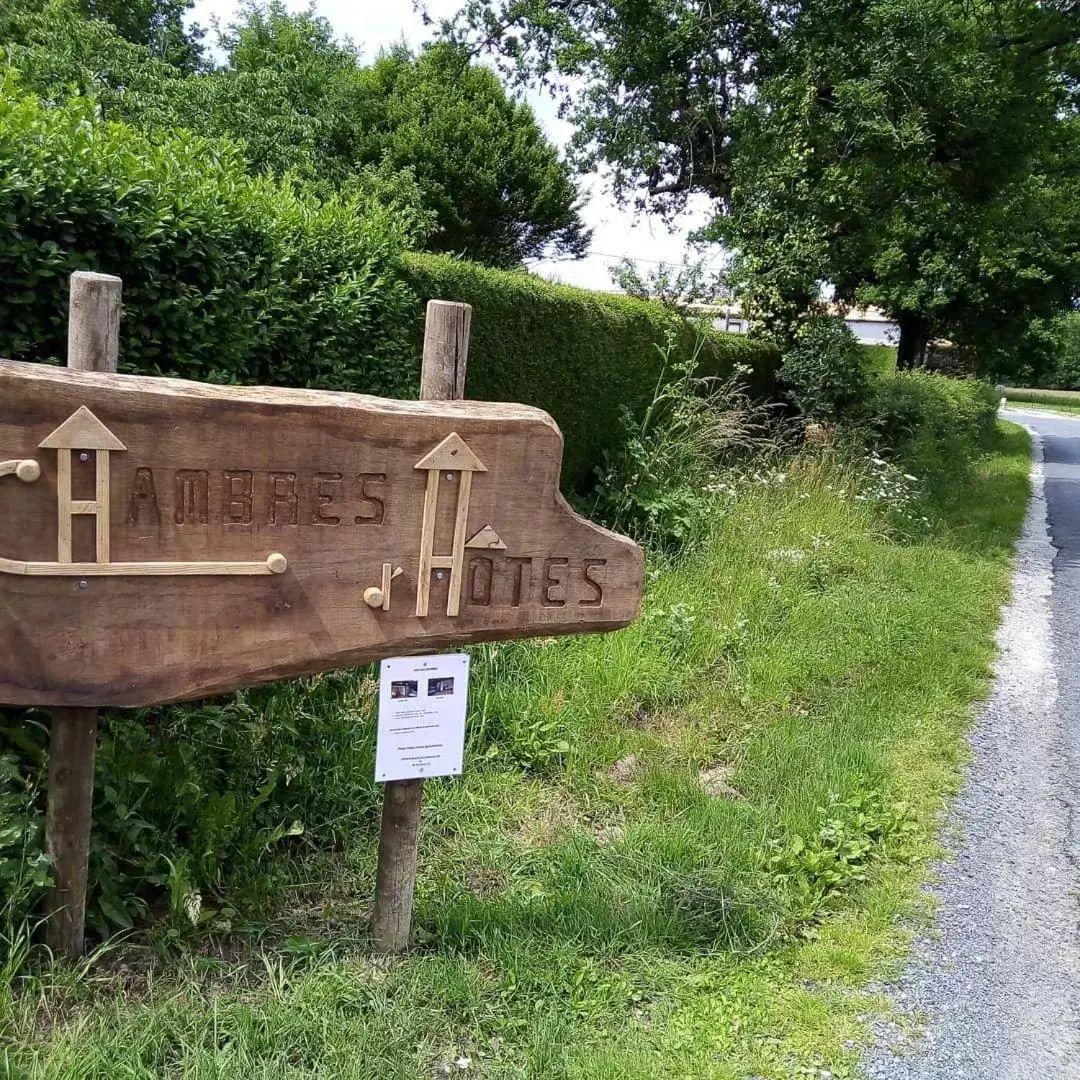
x=973, y=1000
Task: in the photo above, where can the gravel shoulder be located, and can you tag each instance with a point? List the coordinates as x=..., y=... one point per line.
x=995, y=990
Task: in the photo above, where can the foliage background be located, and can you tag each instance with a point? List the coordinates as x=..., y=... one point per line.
x=298, y=102
x=239, y=267
x=588, y=359
x=227, y=278
x=231, y=278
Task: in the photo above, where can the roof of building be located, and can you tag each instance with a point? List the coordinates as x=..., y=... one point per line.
x=733, y=309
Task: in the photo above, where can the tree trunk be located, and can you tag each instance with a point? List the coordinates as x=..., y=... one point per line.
x=914, y=336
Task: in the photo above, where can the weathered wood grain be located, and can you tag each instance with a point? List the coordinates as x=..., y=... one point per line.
x=319, y=489
x=94, y=321
x=72, y=750
x=27, y=471
x=446, y=350
x=399, y=839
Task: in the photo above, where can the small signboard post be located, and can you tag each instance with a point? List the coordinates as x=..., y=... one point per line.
x=164, y=540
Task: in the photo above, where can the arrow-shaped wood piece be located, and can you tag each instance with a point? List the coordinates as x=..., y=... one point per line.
x=82, y=430
x=487, y=538
x=453, y=455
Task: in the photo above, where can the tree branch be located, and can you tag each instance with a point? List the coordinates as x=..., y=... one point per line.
x=669, y=187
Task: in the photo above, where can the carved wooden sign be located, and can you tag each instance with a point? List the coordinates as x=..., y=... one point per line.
x=162, y=540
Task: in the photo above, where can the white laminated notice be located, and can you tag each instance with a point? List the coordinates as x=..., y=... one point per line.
x=422, y=703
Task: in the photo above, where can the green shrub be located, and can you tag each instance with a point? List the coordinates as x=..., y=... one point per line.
x=24, y=866
x=932, y=422
x=226, y=278
x=584, y=357
x=824, y=371
x=195, y=801
x=879, y=360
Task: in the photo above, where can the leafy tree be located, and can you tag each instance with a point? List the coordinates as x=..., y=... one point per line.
x=58, y=51
x=499, y=189
x=288, y=89
x=301, y=102
x=919, y=154
x=1052, y=349
x=652, y=86
x=674, y=286
x=157, y=24
x=918, y=167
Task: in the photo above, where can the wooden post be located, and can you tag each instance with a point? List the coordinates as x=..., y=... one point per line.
x=442, y=378
x=93, y=345
x=446, y=351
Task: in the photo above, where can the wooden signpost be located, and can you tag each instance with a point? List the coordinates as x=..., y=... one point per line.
x=442, y=378
x=93, y=345
x=163, y=540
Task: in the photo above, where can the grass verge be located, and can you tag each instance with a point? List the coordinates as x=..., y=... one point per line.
x=880, y=359
x=678, y=851
x=1064, y=410
x=1057, y=400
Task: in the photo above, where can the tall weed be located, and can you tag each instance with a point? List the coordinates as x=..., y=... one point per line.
x=24, y=866
x=660, y=487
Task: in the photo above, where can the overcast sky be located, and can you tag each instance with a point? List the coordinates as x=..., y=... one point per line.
x=373, y=24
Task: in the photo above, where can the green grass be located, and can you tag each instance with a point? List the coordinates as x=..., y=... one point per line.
x=1066, y=401
x=1043, y=406
x=579, y=922
x=880, y=359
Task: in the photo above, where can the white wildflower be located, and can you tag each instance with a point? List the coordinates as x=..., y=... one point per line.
x=787, y=555
x=193, y=907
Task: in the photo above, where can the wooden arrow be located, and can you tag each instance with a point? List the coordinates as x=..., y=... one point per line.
x=488, y=539
x=453, y=456
x=82, y=430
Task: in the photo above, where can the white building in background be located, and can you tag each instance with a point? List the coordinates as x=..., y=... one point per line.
x=870, y=325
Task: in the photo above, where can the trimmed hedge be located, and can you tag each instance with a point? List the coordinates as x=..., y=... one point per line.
x=582, y=356
x=234, y=279
x=226, y=278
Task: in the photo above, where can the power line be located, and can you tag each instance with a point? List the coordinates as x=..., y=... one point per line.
x=603, y=255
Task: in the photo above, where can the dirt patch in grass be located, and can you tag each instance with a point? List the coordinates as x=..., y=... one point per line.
x=714, y=782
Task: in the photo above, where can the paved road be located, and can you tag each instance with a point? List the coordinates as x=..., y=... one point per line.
x=997, y=989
